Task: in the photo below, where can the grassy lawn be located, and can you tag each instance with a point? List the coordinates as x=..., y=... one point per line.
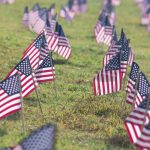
x=84, y=122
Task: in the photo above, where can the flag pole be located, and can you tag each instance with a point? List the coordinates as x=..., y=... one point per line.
x=147, y=106
x=55, y=83
x=22, y=106
x=36, y=92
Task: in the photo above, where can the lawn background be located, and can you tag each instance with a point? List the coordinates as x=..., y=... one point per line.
x=84, y=122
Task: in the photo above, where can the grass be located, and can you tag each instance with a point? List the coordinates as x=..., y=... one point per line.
x=84, y=122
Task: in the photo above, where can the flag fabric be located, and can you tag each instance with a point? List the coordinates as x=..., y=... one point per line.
x=51, y=10
x=105, y=36
x=41, y=139
x=109, y=80
x=40, y=23
x=143, y=141
x=132, y=81
x=10, y=96
x=116, y=2
x=46, y=71
x=63, y=47
x=53, y=23
x=33, y=15
x=25, y=19
x=27, y=76
x=67, y=13
x=83, y=6
x=134, y=122
x=7, y=1
x=51, y=38
x=35, y=50
x=142, y=89
x=99, y=29
x=125, y=52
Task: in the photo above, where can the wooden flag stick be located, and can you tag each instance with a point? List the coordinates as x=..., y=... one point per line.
x=55, y=82
x=147, y=107
x=22, y=107
x=36, y=92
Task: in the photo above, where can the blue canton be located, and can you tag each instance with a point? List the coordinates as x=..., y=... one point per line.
x=11, y=85
x=114, y=63
x=134, y=71
x=47, y=62
x=24, y=67
x=143, y=86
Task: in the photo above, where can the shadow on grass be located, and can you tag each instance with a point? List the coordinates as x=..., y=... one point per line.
x=62, y=62
x=2, y=132
x=119, y=141
x=32, y=102
x=14, y=117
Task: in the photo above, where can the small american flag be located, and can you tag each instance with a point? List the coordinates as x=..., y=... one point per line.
x=63, y=47
x=142, y=89
x=25, y=18
x=106, y=37
x=10, y=97
x=136, y=120
x=46, y=71
x=125, y=52
x=109, y=80
x=41, y=139
x=143, y=142
x=67, y=13
x=33, y=15
x=51, y=10
x=51, y=38
x=28, y=80
x=39, y=24
x=83, y=6
x=99, y=29
x=132, y=81
x=35, y=50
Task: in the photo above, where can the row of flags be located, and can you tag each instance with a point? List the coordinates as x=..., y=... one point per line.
x=73, y=8
x=41, y=139
x=111, y=80
x=104, y=27
x=144, y=6
x=7, y=1
x=37, y=18
x=36, y=66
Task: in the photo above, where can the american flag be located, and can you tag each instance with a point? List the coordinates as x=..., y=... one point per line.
x=51, y=38
x=33, y=15
x=39, y=24
x=41, y=139
x=132, y=81
x=116, y=2
x=134, y=122
x=10, y=97
x=51, y=10
x=83, y=6
x=109, y=80
x=143, y=141
x=108, y=30
x=25, y=18
x=142, y=89
x=53, y=23
x=28, y=80
x=46, y=71
x=63, y=47
x=99, y=28
x=67, y=13
x=35, y=50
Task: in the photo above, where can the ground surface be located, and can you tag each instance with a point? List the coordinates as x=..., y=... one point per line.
x=83, y=121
